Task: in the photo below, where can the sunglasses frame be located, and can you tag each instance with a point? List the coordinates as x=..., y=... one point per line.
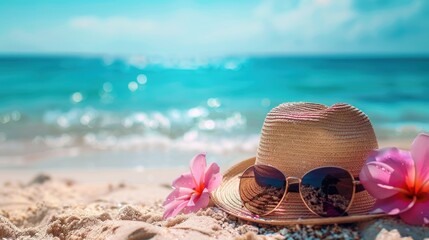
x=299, y=181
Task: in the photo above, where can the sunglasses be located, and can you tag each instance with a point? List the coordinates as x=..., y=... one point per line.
x=326, y=191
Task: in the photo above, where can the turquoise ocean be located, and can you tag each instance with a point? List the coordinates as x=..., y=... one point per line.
x=103, y=111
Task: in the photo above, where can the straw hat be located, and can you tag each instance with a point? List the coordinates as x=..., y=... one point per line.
x=297, y=137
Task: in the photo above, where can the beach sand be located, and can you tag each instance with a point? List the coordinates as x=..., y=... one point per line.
x=127, y=204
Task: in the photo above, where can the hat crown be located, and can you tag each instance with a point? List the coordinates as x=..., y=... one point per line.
x=297, y=137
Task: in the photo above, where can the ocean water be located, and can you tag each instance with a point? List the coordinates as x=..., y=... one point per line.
x=156, y=112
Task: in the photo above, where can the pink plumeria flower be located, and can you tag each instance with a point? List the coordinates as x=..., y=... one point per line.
x=399, y=180
x=192, y=190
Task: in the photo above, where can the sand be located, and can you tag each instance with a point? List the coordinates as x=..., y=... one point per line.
x=127, y=204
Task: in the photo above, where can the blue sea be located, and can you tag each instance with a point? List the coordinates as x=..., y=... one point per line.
x=104, y=111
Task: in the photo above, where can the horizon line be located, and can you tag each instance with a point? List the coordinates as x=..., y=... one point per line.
x=250, y=55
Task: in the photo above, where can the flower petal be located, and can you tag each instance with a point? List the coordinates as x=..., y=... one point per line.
x=192, y=200
x=418, y=214
x=185, y=180
x=420, y=153
x=377, y=176
x=424, y=189
x=198, y=166
x=171, y=197
x=173, y=204
x=212, y=177
x=177, y=194
x=173, y=211
x=200, y=202
x=400, y=161
x=168, y=212
x=174, y=199
x=396, y=204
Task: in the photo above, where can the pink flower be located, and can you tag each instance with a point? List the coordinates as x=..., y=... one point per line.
x=399, y=180
x=192, y=190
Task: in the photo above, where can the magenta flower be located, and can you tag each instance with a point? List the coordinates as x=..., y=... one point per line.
x=192, y=190
x=399, y=180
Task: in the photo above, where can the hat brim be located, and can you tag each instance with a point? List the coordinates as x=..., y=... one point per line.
x=291, y=211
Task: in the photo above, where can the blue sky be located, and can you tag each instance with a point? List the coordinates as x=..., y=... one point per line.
x=222, y=27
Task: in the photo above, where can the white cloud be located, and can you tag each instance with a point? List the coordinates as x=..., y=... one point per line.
x=112, y=25
x=305, y=26
x=334, y=26
x=181, y=32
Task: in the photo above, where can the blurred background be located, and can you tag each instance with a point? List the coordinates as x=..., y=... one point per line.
x=137, y=84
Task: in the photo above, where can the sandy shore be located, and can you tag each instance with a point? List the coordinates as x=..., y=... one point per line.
x=126, y=204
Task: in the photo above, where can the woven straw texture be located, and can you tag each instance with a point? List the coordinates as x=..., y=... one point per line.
x=295, y=138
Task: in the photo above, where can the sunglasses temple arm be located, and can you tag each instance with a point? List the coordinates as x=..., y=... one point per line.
x=359, y=186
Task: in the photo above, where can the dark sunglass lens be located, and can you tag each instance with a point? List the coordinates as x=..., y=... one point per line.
x=262, y=188
x=327, y=191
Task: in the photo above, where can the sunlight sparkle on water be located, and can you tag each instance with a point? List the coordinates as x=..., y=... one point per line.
x=107, y=87
x=15, y=115
x=191, y=135
x=207, y=124
x=77, y=97
x=85, y=119
x=197, y=112
x=133, y=86
x=213, y=102
x=5, y=119
x=63, y=122
x=142, y=79
x=230, y=65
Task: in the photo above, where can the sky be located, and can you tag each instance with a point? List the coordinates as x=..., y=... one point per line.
x=218, y=28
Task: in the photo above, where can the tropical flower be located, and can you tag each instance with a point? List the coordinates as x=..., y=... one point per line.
x=399, y=180
x=192, y=190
